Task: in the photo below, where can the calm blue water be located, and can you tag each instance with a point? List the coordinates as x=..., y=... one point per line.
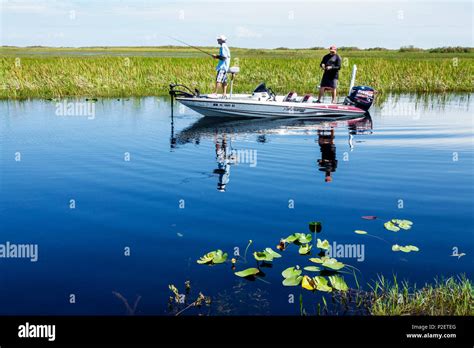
x=420, y=152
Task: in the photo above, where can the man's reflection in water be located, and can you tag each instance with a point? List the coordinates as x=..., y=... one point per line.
x=328, y=161
x=224, y=158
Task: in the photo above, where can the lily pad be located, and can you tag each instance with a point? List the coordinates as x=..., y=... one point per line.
x=312, y=269
x=305, y=249
x=291, y=272
x=300, y=238
x=389, y=225
x=323, y=244
x=263, y=256
x=305, y=238
x=213, y=257
x=319, y=260
x=405, y=249
x=317, y=283
x=338, y=283
x=219, y=257
x=315, y=226
x=292, y=238
x=273, y=253
x=333, y=264
x=247, y=272
x=308, y=283
x=292, y=281
x=360, y=232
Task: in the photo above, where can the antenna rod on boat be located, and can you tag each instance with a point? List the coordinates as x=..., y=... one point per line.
x=196, y=48
x=353, y=77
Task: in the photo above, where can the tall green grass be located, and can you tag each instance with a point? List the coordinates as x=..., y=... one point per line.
x=452, y=296
x=46, y=76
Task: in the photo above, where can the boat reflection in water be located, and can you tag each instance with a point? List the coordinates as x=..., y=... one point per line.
x=223, y=130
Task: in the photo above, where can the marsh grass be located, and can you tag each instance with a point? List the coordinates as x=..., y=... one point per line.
x=26, y=73
x=451, y=296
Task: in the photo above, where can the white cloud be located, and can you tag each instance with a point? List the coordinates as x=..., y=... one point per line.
x=243, y=32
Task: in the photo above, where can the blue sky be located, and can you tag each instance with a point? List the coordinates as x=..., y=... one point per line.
x=266, y=24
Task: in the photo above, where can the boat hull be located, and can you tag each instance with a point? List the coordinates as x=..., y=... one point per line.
x=252, y=108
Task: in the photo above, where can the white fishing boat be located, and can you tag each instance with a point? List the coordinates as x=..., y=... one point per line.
x=263, y=102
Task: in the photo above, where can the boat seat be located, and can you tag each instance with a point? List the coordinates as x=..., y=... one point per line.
x=308, y=98
x=290, y=97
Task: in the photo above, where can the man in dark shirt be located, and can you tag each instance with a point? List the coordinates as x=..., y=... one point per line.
x=331, y=63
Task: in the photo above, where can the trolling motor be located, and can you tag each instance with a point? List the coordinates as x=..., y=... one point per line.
x=185, y=91
x=359, y=96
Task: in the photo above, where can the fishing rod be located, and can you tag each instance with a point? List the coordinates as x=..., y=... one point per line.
x=196, y=48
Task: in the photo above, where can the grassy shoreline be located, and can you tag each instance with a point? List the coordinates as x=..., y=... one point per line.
x=125, y=72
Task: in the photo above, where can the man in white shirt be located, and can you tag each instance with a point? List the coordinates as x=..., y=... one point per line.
x=223, y=65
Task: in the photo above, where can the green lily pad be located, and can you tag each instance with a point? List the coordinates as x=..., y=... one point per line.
x=292, y=281
x=312, y=269
x=247, y=272
x=305, y=249
x=213, y=257
x=291, y=272
x=317, y=283
x=206, y=258
x=323, y=244
x=360, y=232
x=315, y=226
x=219, y=257
x=273, y=253
x=405, y=249
x=389, y=225
x=305, y=238
x=322, y=284
x=338, y=283
x=292, y=238
x=262, y=256
x=319, y=260
x=333, y=264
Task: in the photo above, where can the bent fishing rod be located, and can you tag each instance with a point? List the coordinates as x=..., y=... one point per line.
x=196, y=48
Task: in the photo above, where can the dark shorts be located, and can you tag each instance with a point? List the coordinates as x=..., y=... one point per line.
x=221, y=76
x=328, y=82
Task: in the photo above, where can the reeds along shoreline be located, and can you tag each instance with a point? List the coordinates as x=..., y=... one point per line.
x=114, y=76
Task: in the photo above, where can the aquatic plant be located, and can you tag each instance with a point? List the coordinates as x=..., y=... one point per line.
x=127, y=71
x=451, y=296
x=405, y=249
x=179, y=303
x=299, y=238
x=247, y=272
x=328, y=262
x=315, y=226
x=213, y=257
x=322, y=244
x=292, y=276
x=396, y=224
x=130, y=309
x=305, y=249
x=267, y=255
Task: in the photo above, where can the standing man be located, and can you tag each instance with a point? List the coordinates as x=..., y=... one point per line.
x=223, y=65
x=331, y=63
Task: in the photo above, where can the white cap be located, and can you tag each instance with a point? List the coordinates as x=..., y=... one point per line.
x=222, y=37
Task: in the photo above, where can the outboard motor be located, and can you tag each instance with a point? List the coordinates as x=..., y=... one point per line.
x=262, y=92
x=361, y=97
